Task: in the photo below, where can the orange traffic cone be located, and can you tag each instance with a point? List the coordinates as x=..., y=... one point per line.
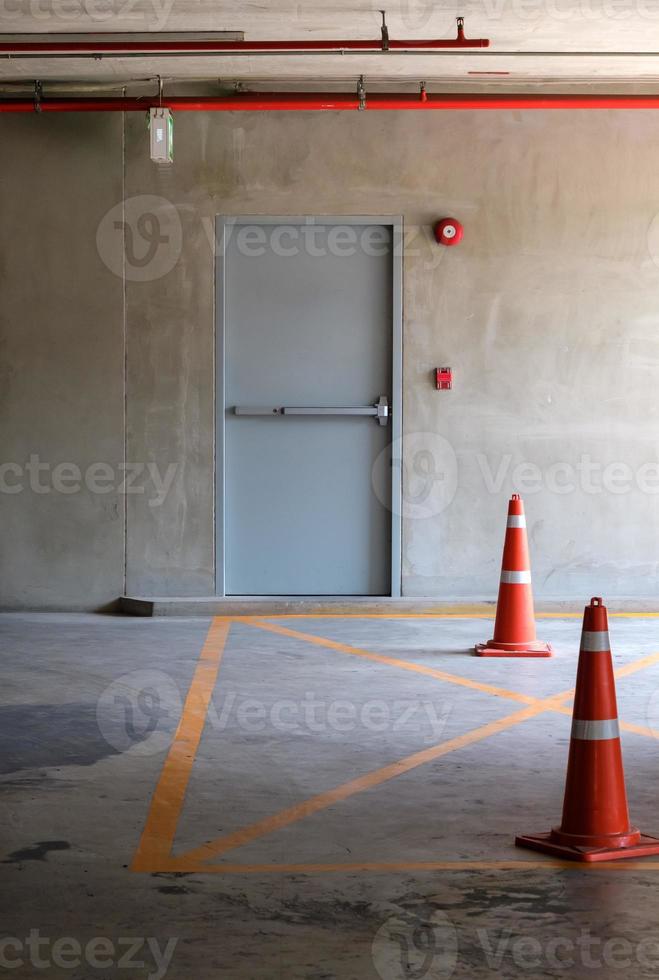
x=595, y=825
x=514, y=628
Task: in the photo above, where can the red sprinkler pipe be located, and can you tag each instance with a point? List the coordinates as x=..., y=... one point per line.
x=117, y=48
x=313, y=102
x=77, y=48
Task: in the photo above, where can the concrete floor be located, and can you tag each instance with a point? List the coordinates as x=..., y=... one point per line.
x=383, y=863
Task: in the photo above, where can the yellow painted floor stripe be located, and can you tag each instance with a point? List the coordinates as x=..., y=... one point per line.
x=454, y=678
x=154, y=851
x=458, y=614
x=625, y=726
x=441, y=675
x=392, y=867
x=168, y=798
x=362, y=783
x=636, y=665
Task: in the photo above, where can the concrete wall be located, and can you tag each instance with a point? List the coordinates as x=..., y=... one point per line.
x=548, y=313
x=61, y=365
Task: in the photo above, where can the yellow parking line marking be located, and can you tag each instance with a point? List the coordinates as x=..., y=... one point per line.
x=634, y=615
x=635, y=665
x=546, y=864
x=368, y=781
x=441, y=675
x=160, y=829
x=323, y=800
x=154, y=850
x=626, y=726
x=459, y=613
x=393, y=662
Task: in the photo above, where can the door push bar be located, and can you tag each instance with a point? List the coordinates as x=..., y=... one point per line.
x=379, y=411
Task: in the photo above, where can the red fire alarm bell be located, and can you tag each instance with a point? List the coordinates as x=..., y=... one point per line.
x=448, y=231
x=443, y=378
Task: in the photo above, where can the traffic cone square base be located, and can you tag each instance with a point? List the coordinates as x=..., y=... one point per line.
x=533, y=650
x=545, y=844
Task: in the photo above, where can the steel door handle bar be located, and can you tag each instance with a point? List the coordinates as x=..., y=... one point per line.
x=330, y=411
x=256, y=410
x=379, y=411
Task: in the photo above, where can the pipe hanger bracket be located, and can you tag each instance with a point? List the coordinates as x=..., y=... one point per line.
x=385, y=31
x=361, y=93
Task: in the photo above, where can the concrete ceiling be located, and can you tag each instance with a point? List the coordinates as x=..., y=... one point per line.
x=513, y=26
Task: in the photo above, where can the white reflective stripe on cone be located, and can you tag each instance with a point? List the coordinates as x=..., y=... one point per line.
x=595, y=642
x=515, y=578
x=595, y=731
x=516, y=520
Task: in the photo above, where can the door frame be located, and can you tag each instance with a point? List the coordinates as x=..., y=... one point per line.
x=225, y=222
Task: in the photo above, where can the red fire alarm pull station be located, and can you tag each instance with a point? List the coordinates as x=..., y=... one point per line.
x=443, y=378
